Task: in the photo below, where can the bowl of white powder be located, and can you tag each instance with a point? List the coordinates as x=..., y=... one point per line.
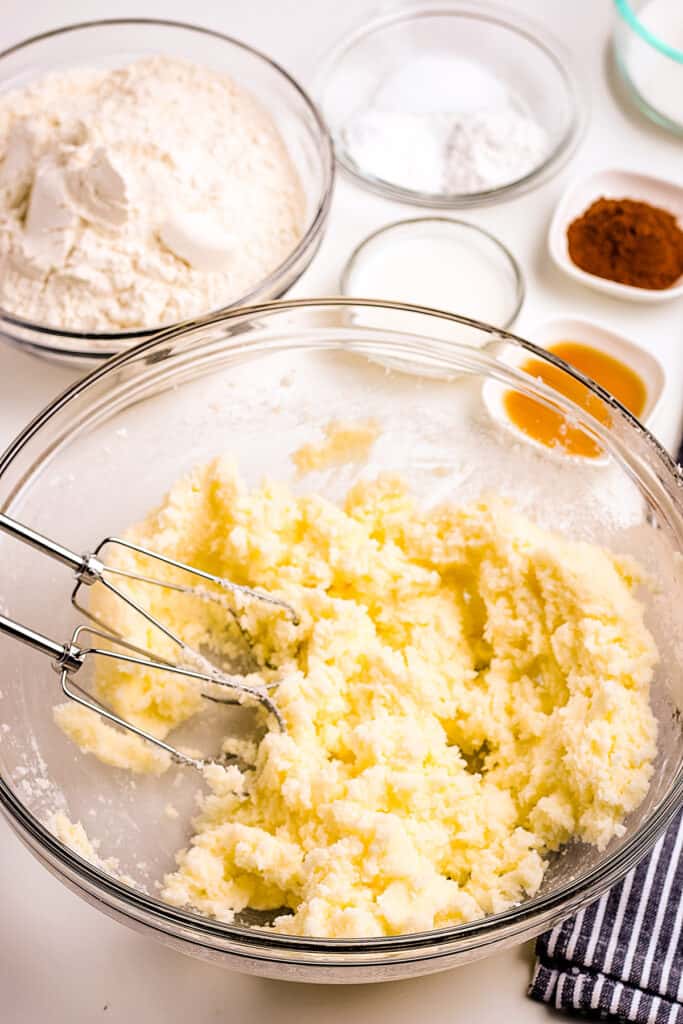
x=150, y=172
x=451, y=105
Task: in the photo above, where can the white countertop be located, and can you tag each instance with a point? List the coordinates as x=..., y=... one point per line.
x=64, y=961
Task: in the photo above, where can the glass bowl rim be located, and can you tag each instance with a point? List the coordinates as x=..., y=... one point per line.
x=133, y=903
x=318, y=219
x=520, y=25
x=630, y=16
x=359, y=251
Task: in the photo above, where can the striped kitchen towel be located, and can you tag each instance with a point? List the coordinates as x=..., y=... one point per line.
x=622, y=957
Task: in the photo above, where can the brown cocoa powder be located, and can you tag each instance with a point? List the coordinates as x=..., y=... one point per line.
x=628, y=241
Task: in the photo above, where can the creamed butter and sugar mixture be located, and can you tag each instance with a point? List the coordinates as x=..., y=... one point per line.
x=465, y=693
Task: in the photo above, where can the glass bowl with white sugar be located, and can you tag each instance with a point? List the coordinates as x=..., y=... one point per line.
x=450, y=105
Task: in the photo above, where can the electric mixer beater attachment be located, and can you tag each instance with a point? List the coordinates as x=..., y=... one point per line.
x=68, y=658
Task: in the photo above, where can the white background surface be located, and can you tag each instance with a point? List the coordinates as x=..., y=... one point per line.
x=64, y=962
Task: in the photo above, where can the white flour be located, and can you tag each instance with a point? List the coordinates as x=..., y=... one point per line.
x=445, y=126
x=140, y=196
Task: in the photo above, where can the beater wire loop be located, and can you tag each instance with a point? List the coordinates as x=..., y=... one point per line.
x=69, y=658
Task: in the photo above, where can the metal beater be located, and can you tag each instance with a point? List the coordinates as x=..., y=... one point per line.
x=68, y=658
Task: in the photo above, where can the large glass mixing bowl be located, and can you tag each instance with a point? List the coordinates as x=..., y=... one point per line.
x=259, y=382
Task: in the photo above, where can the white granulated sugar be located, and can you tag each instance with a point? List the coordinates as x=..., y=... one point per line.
x=444, y=126
x=139, y=196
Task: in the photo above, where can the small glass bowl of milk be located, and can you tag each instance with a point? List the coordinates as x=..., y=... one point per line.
x=443, y=264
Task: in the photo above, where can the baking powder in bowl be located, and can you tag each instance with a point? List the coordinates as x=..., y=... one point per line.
x=445, y=125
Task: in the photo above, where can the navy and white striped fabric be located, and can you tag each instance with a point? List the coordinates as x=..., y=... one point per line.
x=622, y=957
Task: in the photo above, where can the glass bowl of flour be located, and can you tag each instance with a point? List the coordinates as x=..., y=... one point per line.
x=152, y=172
x=451, y=105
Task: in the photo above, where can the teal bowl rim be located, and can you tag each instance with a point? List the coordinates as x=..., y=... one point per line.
x=626, y=11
